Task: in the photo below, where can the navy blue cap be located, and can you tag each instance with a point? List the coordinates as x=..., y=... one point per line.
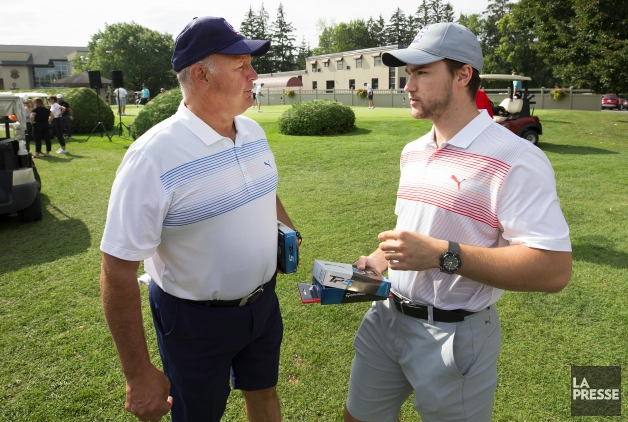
x=209, y=35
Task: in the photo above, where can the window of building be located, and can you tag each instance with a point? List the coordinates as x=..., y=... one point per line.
x=351, y=83
x=375, y=83
x=314, y=68
x=44, y=76
x=377, y=61
x=391, y=78
x=330, y=84
x=339, y=64
x=402, y=82
x=314, y=84
x=358, y=63
x=327, y=63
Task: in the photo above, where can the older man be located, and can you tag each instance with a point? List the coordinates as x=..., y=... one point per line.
x=469, y=226
x=195, y=197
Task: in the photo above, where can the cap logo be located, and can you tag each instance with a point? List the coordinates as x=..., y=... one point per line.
x=420, y=34
x=230, y=27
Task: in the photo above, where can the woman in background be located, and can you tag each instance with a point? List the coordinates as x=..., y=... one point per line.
x=28, y=107
x=39, y=118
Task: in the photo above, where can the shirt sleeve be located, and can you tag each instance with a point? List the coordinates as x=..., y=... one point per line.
x=137, y=208
x=528, y=208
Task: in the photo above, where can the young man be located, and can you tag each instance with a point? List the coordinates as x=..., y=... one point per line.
x=258, y=95
x=56, y=113
x=121, y=95
x=68, y=115
x=369, y=95
x=469, y=226
x=195, y=197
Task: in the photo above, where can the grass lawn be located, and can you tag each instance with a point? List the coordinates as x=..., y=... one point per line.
x=58, y=362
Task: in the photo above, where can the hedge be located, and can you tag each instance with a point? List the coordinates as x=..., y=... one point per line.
x=317, y=117
x=156, y=110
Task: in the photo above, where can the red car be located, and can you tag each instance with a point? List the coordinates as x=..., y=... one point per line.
x=615, y=101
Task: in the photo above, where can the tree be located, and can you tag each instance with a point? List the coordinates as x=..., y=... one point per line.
x=282, y=48
x=395, y=30
x=584, y=41
x=304, y=51
x=410, y=30
x=261, y=31
x=247, y=27
x=422, y=15
x=143, y=55
x=377, y=32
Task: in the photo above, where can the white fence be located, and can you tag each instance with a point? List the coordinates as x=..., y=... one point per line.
x=576, y=99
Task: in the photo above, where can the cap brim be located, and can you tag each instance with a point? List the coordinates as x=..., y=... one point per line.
x=414, y=56
x=252, y=47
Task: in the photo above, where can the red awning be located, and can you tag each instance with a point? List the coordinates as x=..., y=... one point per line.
x=313, y=62
x=376, y=54
x=357, y=56
x=338, y=59
x=325, y=60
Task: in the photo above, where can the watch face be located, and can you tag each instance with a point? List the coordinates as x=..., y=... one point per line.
x=451, y=263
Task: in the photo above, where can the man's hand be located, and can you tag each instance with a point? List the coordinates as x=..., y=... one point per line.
x=411, y=251
x=147, y=396
x=378, y=264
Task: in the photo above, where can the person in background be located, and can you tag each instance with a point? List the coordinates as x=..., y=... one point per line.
x=40, y=117
x=258, y=95
x=196, y=198
x=254, y=94
x=162, y=91
x=369, y=95
x=68, y=115
x=483, y=103
x=516, y=88
x=28, y=107
x=56, y=113
x=121, y=95
x=145, y=95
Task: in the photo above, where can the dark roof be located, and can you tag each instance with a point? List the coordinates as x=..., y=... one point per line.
x=40, y=55
x=81, y=79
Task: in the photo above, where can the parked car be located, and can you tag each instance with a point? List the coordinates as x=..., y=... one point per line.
x=616, y=101
x=20, y=184
x=514, y=113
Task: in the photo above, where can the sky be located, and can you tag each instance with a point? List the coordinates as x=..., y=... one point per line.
x=73, y=22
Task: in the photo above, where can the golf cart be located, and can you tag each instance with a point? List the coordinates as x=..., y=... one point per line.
x=514, y=113
x=20, y=184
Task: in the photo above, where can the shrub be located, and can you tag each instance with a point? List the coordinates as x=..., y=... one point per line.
x=84, y=103
x=317, y=117
x=361, y=93
x=156, y=110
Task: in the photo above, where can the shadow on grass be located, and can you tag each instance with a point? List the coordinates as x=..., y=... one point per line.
x=573, y=149
x=54, y=237
x=358, y=132
x=596, y=250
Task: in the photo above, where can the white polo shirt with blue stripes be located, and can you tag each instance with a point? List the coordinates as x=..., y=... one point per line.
x=199, y=209
x=485, y=187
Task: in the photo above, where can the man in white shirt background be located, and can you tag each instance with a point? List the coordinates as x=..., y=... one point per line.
x=121, y=95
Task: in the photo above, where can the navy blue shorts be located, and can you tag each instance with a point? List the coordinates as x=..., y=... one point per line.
x=202, y=348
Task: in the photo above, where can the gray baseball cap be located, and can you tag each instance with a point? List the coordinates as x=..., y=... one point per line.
x=437, y=42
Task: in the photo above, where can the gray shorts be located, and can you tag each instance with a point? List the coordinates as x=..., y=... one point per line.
x=121, y=101
x=451, y=367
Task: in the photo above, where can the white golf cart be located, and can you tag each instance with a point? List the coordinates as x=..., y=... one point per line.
x=20, y=184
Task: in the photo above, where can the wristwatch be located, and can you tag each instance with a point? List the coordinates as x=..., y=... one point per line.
x=450, y=260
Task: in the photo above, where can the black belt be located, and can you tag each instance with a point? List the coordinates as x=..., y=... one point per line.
x=246, y=300
x=421, y=311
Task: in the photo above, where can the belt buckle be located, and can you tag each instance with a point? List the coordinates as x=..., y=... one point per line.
x=246, y=298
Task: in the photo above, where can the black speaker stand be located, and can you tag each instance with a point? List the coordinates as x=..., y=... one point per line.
x=120, y=125
x=99, y=124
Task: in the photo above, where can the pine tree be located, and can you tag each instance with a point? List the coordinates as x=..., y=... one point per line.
x=410, y=30
x=422, y=15
x=261, y=31
x=395, y=30
x=377, y=32
x=282, y=49
x=247, y=26
x=304, y=51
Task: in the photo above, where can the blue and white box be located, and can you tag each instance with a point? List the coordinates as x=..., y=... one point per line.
x=287, y=249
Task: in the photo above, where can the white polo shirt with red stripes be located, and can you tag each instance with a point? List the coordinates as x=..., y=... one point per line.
x=199, y=209
x=485, y=187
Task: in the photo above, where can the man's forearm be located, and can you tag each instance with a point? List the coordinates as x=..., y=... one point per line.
x=122, y=307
